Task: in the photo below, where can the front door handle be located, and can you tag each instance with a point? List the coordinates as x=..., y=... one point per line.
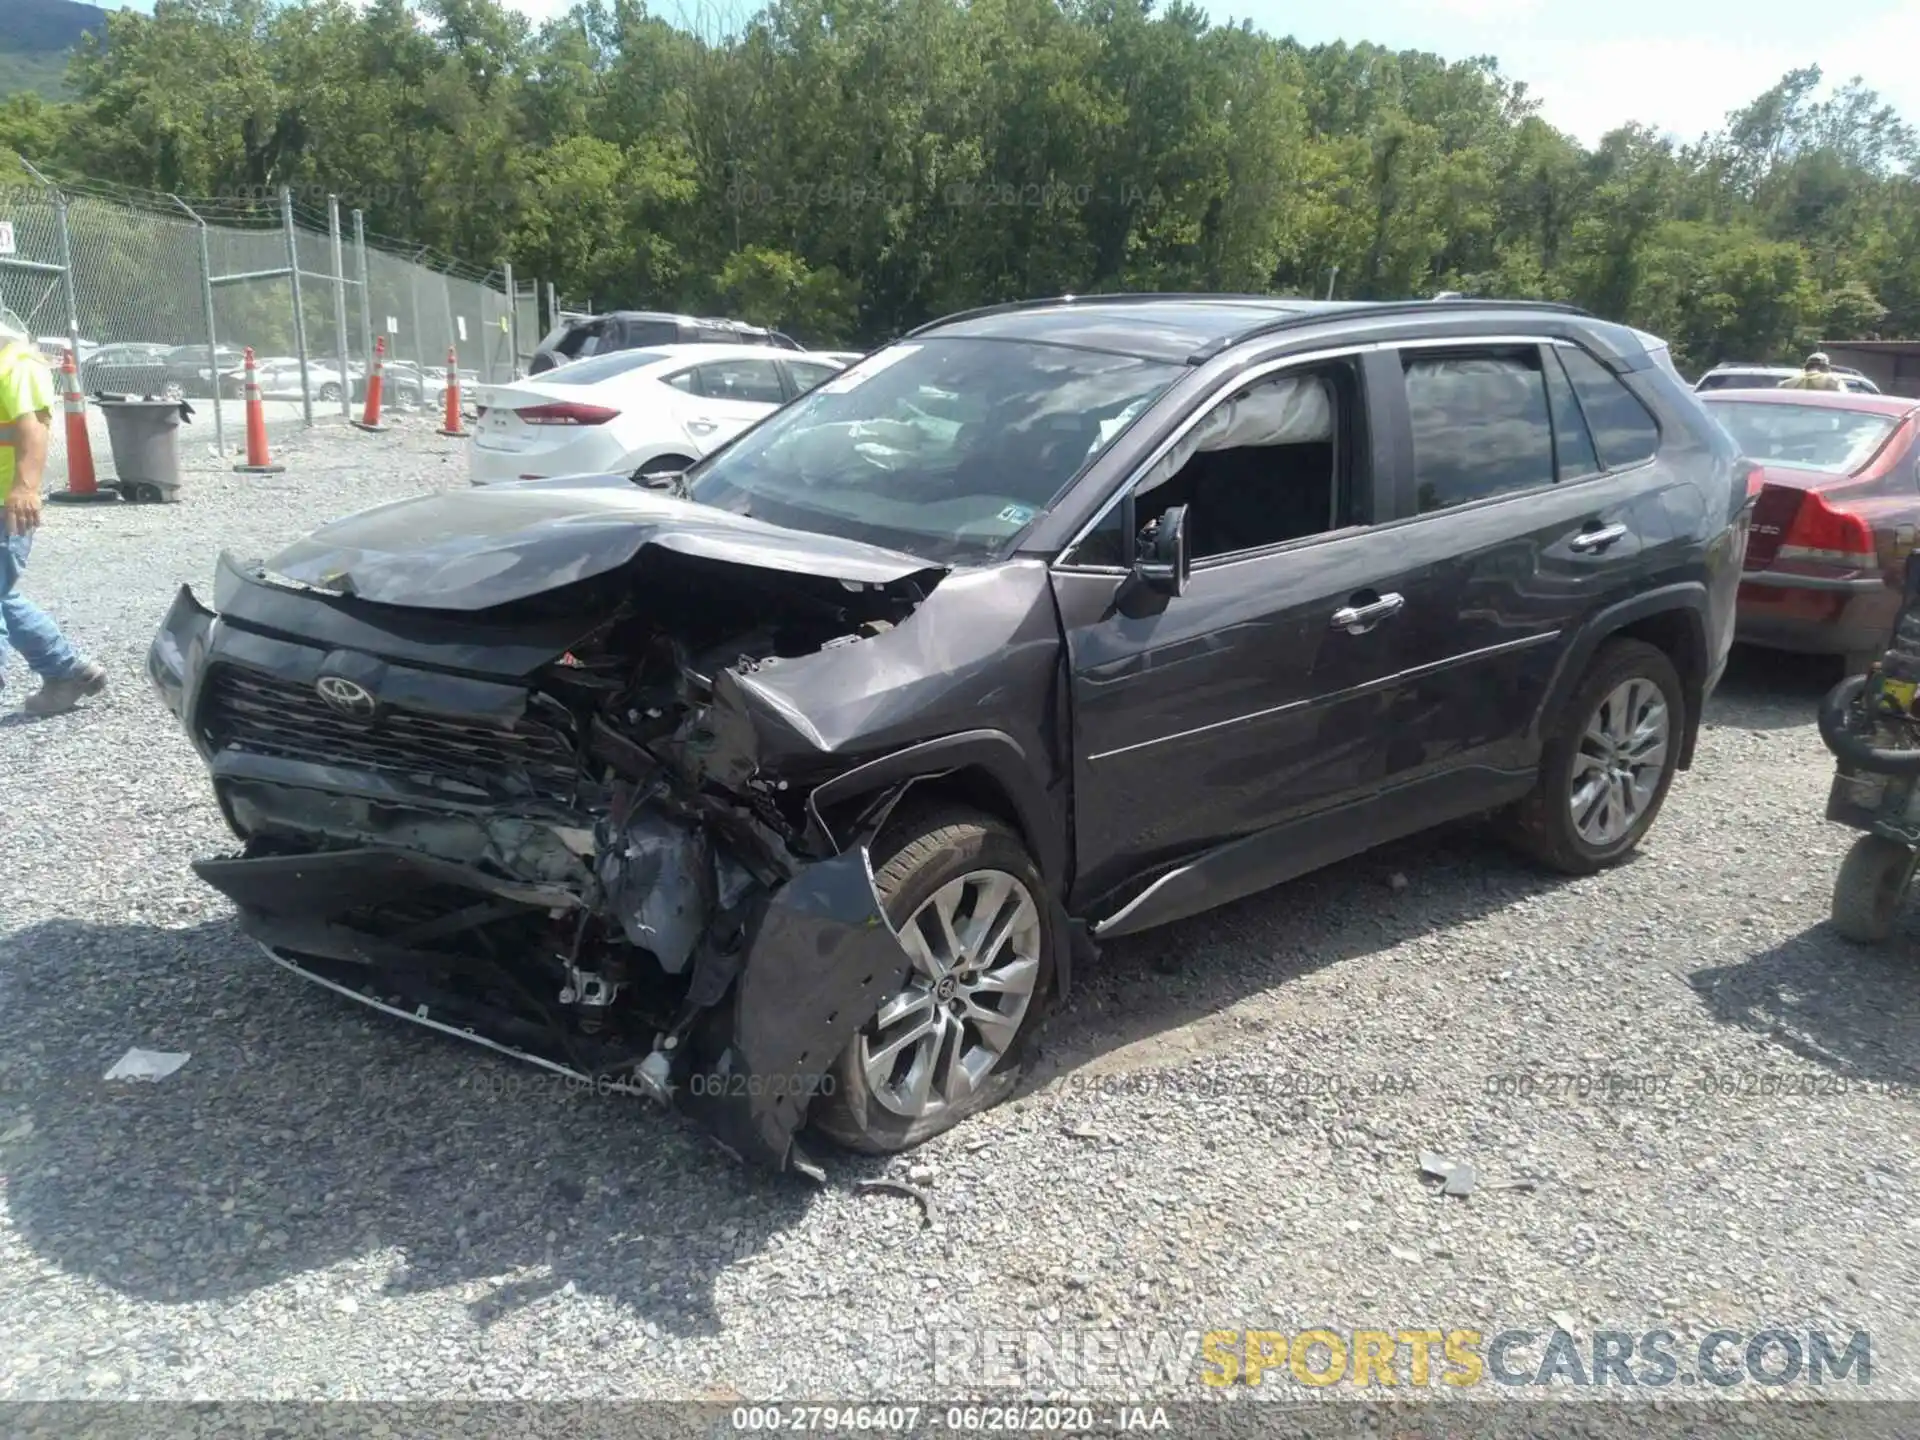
x=1358, y=619
x=1589, y=541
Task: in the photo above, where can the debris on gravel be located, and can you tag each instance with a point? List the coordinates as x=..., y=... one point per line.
x=1700, y=1102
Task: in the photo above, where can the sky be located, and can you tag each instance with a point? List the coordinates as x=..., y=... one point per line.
x=1678, y=65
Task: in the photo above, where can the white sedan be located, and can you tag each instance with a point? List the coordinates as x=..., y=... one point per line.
x=633, y=412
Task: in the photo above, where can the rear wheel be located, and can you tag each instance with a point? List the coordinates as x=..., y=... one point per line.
x=968, y=903
x=1607, y=765
x=329, y=392
x=1870, y=888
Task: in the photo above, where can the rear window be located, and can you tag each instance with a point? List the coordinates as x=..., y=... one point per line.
x=601, y=367
x=1803, y=437
x=1623, y=431
x=579, y=340
x=1480, y=427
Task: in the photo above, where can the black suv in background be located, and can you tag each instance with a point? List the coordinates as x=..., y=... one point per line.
x=582, y=336
x=795, y=790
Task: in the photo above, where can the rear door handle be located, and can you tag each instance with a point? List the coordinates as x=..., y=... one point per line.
x=1358, y=619
x=701, y=425
x=1589, y=541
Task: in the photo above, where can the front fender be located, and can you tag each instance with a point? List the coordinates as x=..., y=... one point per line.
x=995, y=752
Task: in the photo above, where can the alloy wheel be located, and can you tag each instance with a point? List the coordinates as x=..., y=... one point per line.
x=975, y=944
x=1621, y=757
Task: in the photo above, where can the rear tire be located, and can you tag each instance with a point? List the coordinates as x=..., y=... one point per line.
x=1871, y=888
x=890, y=1090
x=1607, y=763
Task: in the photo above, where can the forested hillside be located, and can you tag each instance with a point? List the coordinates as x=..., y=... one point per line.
x=36, y=37
x=848, y=167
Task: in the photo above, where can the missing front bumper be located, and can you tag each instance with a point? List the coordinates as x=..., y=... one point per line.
x=812, y=969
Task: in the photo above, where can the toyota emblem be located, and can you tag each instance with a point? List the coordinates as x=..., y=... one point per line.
x=346, y=697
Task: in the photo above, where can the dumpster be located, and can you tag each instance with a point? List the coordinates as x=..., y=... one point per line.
x=145, y=437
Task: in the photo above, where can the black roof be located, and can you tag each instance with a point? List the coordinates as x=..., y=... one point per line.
x=1181, y=327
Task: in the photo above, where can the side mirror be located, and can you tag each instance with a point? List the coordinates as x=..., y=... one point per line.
x=1160, y=553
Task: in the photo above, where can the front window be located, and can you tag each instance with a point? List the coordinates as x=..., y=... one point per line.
x=1803, y=437
x=946, y=448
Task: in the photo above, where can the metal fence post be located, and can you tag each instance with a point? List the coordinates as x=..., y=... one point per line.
x=553, y=313
x=340, y=308
x=446, y=299
x=299, y=311
x=66, y=259
x=413, y=298
x=366, y=289
x=213, y=345
x=513, y=325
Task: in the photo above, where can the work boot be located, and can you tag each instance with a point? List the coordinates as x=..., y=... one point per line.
x=56, y=697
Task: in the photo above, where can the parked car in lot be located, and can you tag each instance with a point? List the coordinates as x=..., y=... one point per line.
x=1768, y=377
x=796, y=792
x=583, y=337
x=54, y=348
x=401, y=383
x=131, y=369
x=279, y=378
x=1838, y=510
x=196, y=371
x=633, y=411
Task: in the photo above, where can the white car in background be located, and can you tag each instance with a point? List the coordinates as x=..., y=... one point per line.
x=633, y=412
x=279, y=378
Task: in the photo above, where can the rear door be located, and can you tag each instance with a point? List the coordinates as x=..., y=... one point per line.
x=729, y=396
x=1532, y=498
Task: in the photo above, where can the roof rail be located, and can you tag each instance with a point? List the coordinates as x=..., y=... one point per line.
x=1322, y=311
x=1008, y=307
x=1381, y=308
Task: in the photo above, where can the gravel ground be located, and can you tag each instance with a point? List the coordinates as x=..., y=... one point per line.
x=1225, y=1133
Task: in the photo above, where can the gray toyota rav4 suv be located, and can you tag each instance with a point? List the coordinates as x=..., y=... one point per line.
x=792, y=790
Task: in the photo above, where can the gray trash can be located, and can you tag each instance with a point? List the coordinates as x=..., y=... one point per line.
x=145, y=437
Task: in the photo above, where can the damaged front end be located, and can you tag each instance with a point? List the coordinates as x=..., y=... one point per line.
x=538, y=817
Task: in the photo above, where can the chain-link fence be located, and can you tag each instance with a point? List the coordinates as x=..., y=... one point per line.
x=162, y=295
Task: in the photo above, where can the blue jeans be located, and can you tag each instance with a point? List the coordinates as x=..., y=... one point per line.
x=25, y=626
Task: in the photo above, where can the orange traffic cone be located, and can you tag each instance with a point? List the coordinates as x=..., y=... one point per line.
x=370, y=417
x=451, y=425
x=259, y=461
x=83, y=486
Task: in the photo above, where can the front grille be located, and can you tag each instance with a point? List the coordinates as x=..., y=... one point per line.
x=256, y=713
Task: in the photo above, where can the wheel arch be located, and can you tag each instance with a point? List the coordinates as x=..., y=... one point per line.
x=1673, y=619
x=987, y=770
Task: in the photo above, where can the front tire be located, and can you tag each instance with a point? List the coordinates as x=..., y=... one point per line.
x=1608, y=763
x=971, y=909
x=329, y=393
x=1870, y=888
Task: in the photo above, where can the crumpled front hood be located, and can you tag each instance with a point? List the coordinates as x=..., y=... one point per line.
x=477, y=548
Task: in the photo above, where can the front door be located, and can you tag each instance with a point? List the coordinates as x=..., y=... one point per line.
x=1263, y=692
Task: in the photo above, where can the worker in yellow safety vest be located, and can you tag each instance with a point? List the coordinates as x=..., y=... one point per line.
x=1816, y=374
x=26, y=423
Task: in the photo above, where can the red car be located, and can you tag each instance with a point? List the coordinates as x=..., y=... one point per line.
x=1838, y=507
